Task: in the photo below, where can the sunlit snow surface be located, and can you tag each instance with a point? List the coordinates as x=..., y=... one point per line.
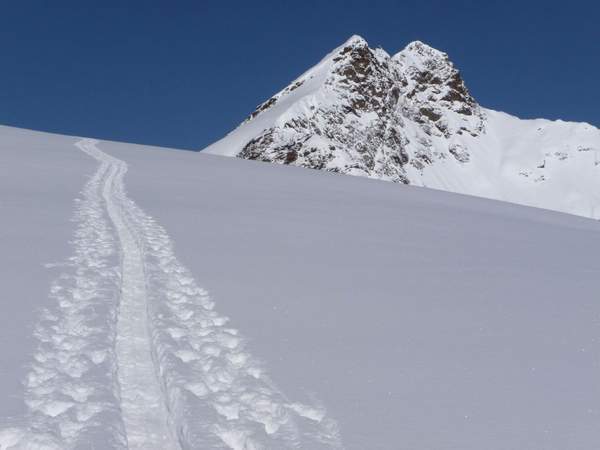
x=284, y=308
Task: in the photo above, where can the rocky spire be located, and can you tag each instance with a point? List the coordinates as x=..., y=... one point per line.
x=432, y=79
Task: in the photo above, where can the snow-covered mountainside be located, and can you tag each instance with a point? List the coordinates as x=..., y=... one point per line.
x=410, y=118
x=163, y=299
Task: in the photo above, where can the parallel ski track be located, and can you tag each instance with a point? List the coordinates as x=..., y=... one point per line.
x=143, y=403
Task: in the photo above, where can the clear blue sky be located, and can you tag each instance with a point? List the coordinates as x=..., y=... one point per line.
x=183, y=73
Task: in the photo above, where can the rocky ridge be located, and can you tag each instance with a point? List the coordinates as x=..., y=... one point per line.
x=371, y=96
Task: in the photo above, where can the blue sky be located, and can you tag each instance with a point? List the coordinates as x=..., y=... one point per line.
x=183, y=73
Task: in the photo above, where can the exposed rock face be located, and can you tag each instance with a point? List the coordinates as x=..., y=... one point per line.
x=434, y=88
x=369, y=96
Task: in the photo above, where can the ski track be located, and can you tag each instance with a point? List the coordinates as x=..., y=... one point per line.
x=142, y=401
x=135, y=356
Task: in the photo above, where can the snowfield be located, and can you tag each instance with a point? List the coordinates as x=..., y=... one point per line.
x=158, y=298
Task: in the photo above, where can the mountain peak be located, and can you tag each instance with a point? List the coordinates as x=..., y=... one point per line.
x=420, y=57
x=432, y=78
x=422, y=49
x=355, y=41
x=363, y=112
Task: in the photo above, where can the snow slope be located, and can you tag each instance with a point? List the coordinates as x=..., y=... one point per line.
x=274, y=307
x=410, y=118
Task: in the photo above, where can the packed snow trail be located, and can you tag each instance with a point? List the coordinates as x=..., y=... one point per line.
x=142, y=401
x=216, y=395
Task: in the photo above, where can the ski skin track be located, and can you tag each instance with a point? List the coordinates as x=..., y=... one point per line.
x=142, y=400
x=134, y=356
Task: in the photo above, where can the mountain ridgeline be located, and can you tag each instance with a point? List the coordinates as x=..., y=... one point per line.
x=410, y=118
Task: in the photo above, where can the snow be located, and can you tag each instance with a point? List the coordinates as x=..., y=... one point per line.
x=532, y=162
x=286, y=308
x=40, y=175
